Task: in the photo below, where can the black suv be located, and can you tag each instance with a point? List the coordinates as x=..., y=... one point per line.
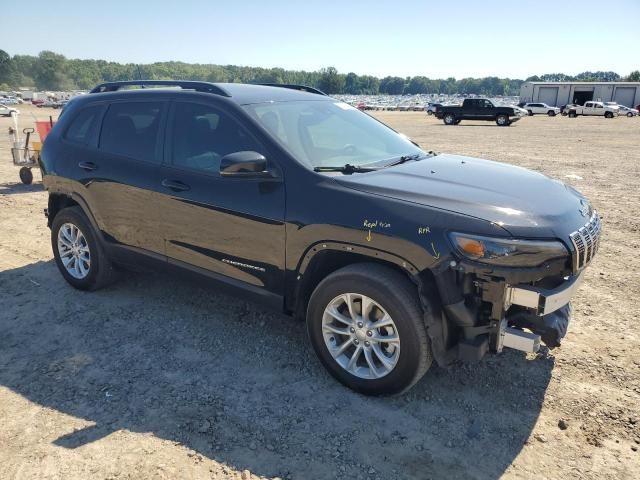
x=395, y=256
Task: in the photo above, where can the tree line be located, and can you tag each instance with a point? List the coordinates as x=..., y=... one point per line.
x=52, y=71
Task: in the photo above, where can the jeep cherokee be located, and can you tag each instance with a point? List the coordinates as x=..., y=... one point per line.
x=394, y=255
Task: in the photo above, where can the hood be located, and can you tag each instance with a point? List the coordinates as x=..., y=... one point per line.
x=524, y=202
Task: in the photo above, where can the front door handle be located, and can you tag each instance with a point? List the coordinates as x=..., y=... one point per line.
x=175, y=185
x=87, y=166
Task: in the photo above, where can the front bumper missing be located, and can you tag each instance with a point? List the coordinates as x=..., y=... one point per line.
x=541, y=300
x=501, y=312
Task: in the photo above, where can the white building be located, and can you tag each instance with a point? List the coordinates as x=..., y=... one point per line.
x=562, y=93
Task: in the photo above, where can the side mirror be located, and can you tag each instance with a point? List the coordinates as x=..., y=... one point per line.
x=246, y=163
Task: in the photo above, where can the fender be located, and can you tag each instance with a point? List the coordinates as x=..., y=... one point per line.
x=434, y=318
x=296, y=294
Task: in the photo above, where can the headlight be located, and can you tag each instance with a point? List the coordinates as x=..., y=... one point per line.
x=507, y=252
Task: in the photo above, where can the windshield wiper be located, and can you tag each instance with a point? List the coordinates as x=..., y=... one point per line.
x=408, y=158
x=346, y=169
x=349, y=169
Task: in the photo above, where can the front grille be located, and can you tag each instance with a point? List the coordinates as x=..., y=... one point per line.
x=585, y=242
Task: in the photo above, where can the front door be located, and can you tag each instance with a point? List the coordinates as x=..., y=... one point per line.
x=230, y=226
x=487, y=110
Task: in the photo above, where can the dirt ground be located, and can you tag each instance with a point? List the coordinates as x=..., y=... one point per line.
x=158, y=378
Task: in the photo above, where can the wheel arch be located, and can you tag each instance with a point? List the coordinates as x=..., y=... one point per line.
x=325, y=258
x=59, y=201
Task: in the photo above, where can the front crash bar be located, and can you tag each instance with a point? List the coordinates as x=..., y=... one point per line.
x=542, y=300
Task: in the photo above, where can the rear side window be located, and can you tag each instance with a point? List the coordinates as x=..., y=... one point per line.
x=131, y=130
x=83, y=126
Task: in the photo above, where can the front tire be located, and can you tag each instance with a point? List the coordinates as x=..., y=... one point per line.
x=503, y=120
x=530, y=113
x=608, y=115
x=366, y=326
x=80, y=258
x=629, y=114
x=551, y=113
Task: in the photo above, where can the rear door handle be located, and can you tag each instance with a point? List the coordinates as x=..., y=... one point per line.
x=87, y=166
x=175, y=185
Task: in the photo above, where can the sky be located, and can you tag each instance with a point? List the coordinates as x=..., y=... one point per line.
x=434, y=38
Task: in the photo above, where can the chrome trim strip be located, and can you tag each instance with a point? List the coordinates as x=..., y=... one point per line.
x=585, y=242
x=242, y=265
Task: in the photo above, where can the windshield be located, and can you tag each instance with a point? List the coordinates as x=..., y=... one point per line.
x=331, y=134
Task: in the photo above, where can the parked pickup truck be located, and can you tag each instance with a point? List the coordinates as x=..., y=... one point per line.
x=479, y=109
x=594, y=108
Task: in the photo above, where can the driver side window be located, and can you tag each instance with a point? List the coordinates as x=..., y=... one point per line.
x=203, y=134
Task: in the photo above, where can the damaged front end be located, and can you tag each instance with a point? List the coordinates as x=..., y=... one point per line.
x=489, y=307
x=489, y=310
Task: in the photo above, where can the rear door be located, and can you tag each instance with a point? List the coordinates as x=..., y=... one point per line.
x=589, y=109
x=228, y=226
x=471, y=109
x=123, y=174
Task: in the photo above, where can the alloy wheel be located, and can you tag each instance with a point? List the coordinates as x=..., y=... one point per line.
x=361, y=336
x=74, y=251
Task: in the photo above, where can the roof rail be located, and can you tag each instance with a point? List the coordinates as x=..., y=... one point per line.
x=184, y=84
x=291, y=86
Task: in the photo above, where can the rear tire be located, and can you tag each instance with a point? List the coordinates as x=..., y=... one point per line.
x=449, y=119
x=95, y=269
x=399, y=351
